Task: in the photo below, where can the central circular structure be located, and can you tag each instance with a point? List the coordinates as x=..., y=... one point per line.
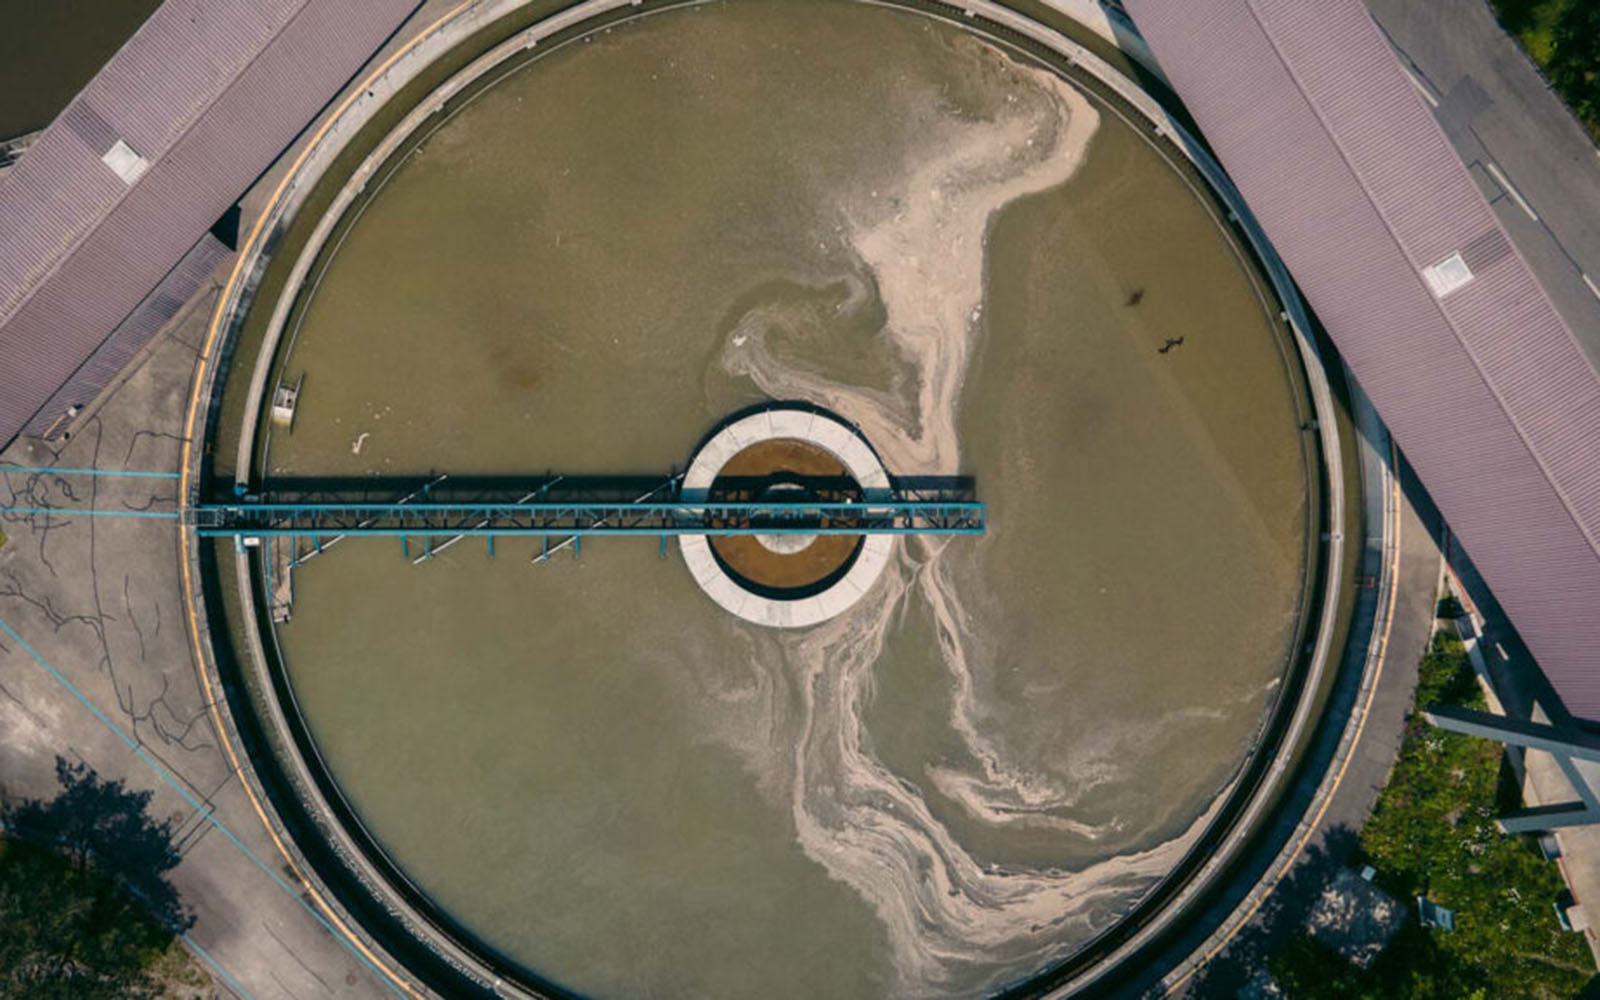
x=786, y=580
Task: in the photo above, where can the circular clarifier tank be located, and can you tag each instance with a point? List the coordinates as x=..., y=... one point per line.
x=964, y=263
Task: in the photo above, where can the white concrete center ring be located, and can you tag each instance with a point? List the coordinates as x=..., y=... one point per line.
x=837, y=438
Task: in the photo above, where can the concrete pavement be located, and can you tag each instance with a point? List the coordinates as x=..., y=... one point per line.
x=1529, y=155
x=1405, y=639
x=94, y=656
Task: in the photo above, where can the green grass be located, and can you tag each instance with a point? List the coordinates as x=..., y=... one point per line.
x=1563, y=37
x=1433, y=833
x=2, y=539
x=1532, y=22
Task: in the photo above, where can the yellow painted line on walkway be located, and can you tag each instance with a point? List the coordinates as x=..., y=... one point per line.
x=1361, y=725
x=201, y=368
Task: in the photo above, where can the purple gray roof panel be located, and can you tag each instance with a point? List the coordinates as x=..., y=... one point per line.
x=1482, y=384
x=207, y=94
x=124, y=343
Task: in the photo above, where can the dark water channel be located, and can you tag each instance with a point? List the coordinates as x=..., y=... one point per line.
x=50, y=48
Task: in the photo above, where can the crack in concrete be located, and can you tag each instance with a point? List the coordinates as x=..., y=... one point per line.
x=133, y=618
x=10, y=695
x=29, y=495
x=297, y=960
x=150, y=503
x=144, y=434
x=15, y=590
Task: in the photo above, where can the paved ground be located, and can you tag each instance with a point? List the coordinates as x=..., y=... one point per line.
x=97, y=600
x=1528, y=153
x=1411, y=628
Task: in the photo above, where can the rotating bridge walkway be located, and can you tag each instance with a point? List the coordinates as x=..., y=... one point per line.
x=295, y=519
x=324, y=509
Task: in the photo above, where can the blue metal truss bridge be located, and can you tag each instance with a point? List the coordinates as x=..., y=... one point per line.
x=453, y=507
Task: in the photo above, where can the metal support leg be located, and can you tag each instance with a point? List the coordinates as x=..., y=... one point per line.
x=1534, y=735
x=1562, y=742
x=1549, y=817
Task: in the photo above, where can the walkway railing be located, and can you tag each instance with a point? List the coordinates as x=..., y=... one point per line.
x=682, y=517
x=326, y=509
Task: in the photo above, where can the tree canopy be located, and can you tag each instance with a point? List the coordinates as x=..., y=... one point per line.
x=85, y=908
x=1575, y=58
x=1563, y=37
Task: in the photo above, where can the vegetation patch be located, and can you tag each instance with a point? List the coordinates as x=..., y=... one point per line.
x=85, y=910
x=1563, y=37
x=1433, y=834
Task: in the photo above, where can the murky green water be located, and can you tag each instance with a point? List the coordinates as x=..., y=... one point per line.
x=50, y=48
x=993, y=755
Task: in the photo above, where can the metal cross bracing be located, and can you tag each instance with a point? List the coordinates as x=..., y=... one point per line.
x=568, y=506
x=679, y=518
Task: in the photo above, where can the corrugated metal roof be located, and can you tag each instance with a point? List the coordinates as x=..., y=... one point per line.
x=124, y=343
x=1483, y=387
x=208, y=93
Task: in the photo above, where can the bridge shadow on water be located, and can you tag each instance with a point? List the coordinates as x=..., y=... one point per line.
x=555, y=488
